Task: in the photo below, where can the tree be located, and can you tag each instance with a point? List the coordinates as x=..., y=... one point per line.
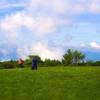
x=73, y=57
x=49, y=62
x=68, y=57
x=78, y=57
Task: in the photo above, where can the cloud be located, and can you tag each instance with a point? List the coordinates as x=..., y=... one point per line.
x=82, y=45
x=83, y=6
x=13, y=28
x=57, y=6
x=94, y=45
x=45, y=52
x=40, y=20
x=44, y=25
x=66, y=6
x=39, y=25
x=40, y=49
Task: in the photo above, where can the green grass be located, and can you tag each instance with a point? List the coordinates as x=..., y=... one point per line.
x=50, y=83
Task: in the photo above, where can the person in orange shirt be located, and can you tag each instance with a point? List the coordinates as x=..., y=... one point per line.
x=21, y=63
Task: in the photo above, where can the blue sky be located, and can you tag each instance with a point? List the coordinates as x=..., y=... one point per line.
x=49, y=28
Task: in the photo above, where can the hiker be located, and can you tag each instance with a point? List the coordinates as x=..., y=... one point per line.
x=34, y=63
x=21, y=62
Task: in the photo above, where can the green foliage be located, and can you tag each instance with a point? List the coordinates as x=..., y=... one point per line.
x=89, y=63
x=73, y=57
x=8, y=64
x=92, y=63
x=49, y=62
x=78, y=57
x=97, y=63
x=68, y=57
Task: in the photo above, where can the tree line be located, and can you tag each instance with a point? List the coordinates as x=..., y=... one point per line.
x=70, y=58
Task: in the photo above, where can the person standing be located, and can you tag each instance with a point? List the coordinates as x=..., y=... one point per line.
x=34, y=63
x=21, y=63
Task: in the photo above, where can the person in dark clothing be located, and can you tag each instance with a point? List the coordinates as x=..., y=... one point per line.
x=34, y=63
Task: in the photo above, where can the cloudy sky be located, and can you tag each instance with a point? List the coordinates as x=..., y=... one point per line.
x=49, y=28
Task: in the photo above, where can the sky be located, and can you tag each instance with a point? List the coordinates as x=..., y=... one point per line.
x=48, y=28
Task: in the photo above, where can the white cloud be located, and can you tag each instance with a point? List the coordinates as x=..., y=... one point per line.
x=44, y=51
x=94, y=45
x=39, y=25
x=40, y=49
x=23, y=52
x=47, y=19
x=90, y=6
x=57, y=6
x=44, y=25
x=66, y=6
x=82, y=45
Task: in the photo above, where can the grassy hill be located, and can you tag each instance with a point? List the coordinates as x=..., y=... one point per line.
x=50, y=83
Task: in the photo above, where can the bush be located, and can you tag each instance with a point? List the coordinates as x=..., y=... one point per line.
x=8, y=64
x=49, y=62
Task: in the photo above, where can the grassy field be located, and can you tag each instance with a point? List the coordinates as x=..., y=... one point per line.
x=50, y=83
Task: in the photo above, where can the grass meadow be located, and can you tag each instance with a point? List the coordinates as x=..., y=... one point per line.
x=50, y=83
